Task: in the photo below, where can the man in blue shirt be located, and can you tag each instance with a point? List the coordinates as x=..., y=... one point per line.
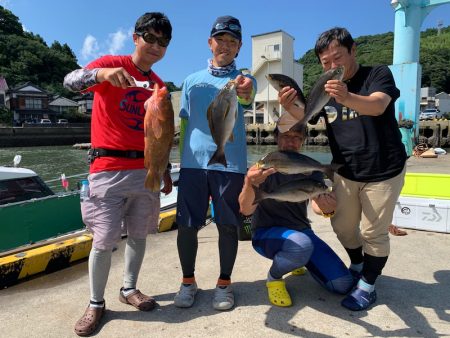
x=199, y=181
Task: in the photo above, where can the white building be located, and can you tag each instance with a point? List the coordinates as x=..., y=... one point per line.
x=443, y=102
x=271, y=53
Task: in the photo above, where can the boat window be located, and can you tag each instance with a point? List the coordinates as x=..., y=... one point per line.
x=22, y=189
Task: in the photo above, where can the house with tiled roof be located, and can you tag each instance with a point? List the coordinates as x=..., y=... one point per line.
x=63, y=105
x=30, y=103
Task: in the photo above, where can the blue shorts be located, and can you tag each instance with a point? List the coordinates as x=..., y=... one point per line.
x=196, y=186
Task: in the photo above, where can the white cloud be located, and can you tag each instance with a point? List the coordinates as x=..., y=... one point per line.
x=93, y=48
x=90, y=48
x=116, y=41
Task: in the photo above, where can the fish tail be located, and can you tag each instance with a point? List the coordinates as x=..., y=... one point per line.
x=152, y=182
x=331, y=169
x=218, y=157
x=329, y=172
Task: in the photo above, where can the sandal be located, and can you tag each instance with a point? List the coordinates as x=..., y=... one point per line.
x=298, y=272
x=138, y=300
x=87, y=324
x=278, y=295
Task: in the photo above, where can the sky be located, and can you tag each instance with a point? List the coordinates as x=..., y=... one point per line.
x=98, y=27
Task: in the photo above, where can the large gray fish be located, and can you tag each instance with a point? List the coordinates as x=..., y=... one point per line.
x=318, y=97
x=291, y=162
x=279, y=81
x=222, y=114
x=295, y=191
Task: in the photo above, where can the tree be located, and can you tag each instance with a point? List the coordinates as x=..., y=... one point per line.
x=9, y=23
x=6, y=116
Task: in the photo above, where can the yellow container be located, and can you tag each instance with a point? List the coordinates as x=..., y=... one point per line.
x=427, y=185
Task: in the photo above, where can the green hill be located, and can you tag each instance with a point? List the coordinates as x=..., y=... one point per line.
x=378, y=49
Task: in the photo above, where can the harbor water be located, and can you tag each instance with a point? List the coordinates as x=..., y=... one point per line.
x=50, y=162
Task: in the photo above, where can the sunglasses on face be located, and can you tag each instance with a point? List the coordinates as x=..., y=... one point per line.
x=231, y=26
x=151, y=38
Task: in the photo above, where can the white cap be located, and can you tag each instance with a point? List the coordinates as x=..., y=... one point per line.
x=286, y=122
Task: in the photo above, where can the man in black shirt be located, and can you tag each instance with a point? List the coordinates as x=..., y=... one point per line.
x=364, y=137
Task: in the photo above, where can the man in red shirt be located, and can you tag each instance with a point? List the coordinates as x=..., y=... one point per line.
x=117, y=197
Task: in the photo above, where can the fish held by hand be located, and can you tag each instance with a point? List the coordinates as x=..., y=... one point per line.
x=159, y=132
x=222, y=115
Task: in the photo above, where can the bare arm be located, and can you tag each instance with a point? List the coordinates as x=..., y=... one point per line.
x=373, y=105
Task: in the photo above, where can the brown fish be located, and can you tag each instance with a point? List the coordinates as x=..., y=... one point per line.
x=159, y=132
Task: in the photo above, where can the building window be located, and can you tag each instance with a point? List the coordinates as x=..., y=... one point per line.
x=33, y=103
x=276, y=48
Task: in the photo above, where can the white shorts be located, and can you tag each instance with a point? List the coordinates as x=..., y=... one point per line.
x=118, y=199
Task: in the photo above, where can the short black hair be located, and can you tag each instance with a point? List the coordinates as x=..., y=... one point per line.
x=156, y=21
x=341, y=35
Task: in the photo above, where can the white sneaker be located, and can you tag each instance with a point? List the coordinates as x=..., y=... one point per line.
x=223, y=298
x=186, y=296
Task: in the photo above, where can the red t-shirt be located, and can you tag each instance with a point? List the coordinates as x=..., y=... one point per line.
x=118, y=115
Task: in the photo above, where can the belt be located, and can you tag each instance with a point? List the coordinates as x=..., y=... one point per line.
x=100, y=152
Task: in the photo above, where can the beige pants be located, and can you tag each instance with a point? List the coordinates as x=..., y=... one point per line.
x=364, y=212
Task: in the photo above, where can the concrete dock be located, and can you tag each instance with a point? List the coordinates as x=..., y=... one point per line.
x=413, y=293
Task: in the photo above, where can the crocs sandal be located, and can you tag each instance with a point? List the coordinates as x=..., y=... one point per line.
x=138, y=300
x=87, y=324
x=278, y=295
x=298, y=272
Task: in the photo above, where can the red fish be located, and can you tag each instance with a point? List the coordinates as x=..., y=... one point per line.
x=159, y=133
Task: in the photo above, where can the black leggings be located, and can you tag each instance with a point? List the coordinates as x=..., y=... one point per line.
x=187, y=243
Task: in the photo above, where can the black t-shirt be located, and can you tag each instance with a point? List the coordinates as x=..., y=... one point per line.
x=370, y=147
x=271, y=212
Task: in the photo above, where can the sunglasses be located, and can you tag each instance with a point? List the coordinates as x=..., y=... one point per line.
x=231, y=26
x=151, y=38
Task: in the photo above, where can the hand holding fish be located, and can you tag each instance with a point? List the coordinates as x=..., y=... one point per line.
x=338, y=90
x=118, y=77
x=326, y=203
x=287, y=97
x=256, y=176
x=244, y=87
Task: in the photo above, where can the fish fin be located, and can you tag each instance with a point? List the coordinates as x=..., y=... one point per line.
x=156, y=127
x=152, y=181
x=218, y=157
x=227, y=111
x=331, y=169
